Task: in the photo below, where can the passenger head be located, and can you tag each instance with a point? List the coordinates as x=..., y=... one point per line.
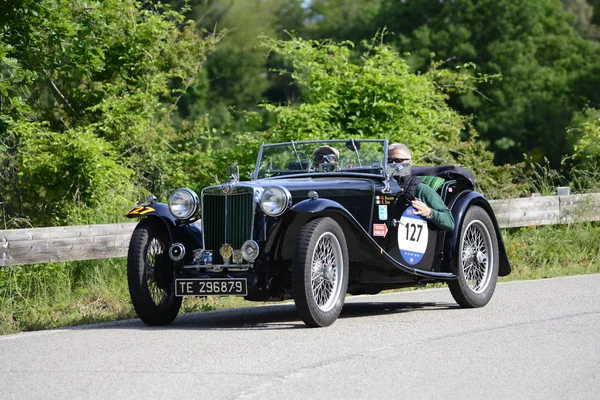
x=399, y=153
x=325, y=158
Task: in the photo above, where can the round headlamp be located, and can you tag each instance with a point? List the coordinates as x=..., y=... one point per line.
x=250, y=250
x=274, y=201
x=183, y=203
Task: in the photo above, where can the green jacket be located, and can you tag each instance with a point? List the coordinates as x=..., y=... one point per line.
x=440, y=214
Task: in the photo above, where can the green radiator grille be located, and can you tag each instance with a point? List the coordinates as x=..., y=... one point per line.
x=240, y=217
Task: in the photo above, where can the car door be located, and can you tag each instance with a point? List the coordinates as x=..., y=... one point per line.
x=410, y=239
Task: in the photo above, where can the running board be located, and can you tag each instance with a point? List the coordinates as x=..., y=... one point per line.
x=446, y=276
x=438, y=275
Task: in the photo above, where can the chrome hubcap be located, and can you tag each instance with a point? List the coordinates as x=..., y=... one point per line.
x=326, y=271
x=476, y=256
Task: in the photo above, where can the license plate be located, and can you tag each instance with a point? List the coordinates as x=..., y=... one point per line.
x=211, y=287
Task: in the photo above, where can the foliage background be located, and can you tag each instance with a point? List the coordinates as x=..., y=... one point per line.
x=105, y=102
x=102, y=103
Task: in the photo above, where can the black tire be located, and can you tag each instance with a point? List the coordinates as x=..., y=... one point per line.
x=320, y=272
x=477, y=274
x=150, y=275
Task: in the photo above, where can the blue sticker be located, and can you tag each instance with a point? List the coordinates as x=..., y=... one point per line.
x=207, y=257
x=383, y=215
x=413, y=236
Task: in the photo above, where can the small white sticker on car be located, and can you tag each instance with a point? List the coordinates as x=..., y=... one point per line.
x=383, y=213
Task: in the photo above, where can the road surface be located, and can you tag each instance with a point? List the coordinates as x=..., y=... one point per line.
x=535, y=339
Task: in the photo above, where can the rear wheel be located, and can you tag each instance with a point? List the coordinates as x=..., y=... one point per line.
x=320, y=272
x=477, y=261
x=150, y=275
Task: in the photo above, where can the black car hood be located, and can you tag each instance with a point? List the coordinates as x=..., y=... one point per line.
x=325, y=186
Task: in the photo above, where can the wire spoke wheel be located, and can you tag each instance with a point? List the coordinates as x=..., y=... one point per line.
x=475, y=260
x=156, y=248
x=325, y=271
x=150, y=275
x=320, y=272
x=476, y=264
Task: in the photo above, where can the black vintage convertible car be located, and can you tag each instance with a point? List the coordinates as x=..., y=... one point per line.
x=312, y=229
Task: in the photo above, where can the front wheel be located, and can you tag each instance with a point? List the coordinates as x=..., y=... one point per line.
x=150, y=275
x=320, y=272
x=477, y=261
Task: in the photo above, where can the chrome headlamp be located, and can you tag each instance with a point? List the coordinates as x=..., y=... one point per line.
x=275, y=200
x=183, y=203
x=249, y=250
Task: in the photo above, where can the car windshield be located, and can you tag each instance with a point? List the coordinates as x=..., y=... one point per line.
x=322, y=156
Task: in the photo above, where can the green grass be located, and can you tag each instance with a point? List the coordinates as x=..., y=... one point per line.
x=65, y=294
x=552, y=251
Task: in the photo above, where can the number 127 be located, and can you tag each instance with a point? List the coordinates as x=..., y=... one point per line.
x=411, y=236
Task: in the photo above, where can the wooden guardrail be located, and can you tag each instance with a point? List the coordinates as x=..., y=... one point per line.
x=64, y=243
x=90, y=242
x=547, y=210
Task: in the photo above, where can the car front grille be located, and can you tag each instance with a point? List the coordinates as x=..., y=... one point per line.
x=226, y=219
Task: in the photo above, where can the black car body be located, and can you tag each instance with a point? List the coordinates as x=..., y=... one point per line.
x=312, y=232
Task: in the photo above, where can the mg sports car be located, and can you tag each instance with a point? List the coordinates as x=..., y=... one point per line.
x=312, y=227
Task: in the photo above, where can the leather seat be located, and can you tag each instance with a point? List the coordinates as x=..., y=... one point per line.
x=435, y=182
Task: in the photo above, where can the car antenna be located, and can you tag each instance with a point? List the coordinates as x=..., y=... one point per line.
x=296, y=153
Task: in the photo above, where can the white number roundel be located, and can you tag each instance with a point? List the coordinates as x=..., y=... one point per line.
x=412, y=236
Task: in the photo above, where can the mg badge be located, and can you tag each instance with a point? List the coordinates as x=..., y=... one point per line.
x=226, y=252
x=226, y=189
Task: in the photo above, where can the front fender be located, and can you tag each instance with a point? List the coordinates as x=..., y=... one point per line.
x=459, y=209
x=320, y=205
x=289, y=227
x=186, y=233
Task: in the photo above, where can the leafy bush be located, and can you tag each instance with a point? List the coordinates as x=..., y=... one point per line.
x=370, y=92
x=87, y=106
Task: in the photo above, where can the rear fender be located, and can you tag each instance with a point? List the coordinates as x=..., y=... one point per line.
x=186, y=233
x=459, y=209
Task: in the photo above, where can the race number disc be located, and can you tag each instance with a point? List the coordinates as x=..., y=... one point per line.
x=412, y=236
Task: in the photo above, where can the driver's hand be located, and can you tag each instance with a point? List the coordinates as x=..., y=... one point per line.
x=422, y=208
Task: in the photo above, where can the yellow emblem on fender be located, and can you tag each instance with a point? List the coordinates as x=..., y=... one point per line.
x=140, y=210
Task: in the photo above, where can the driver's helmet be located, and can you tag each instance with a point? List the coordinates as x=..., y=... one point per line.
x=325, y=158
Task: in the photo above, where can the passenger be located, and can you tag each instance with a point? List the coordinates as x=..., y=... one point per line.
x=325, y=159
x=425, y=200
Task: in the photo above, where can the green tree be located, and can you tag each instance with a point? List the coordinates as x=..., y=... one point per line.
x=584, y=136
x=374, y=95
x=584, y=14
x=237, y=70
x=342, y=19
x=88, y=93
x=548, y=69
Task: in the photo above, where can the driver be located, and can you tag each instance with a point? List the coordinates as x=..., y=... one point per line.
x=325, y=158
x=423, y=198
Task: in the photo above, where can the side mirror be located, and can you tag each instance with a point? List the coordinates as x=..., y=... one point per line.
x=395, y=170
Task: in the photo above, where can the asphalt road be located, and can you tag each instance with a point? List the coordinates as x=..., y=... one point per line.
x=535, y=340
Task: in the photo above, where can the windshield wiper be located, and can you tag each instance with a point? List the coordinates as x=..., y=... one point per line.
x=356, y=151
x=297, y=156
